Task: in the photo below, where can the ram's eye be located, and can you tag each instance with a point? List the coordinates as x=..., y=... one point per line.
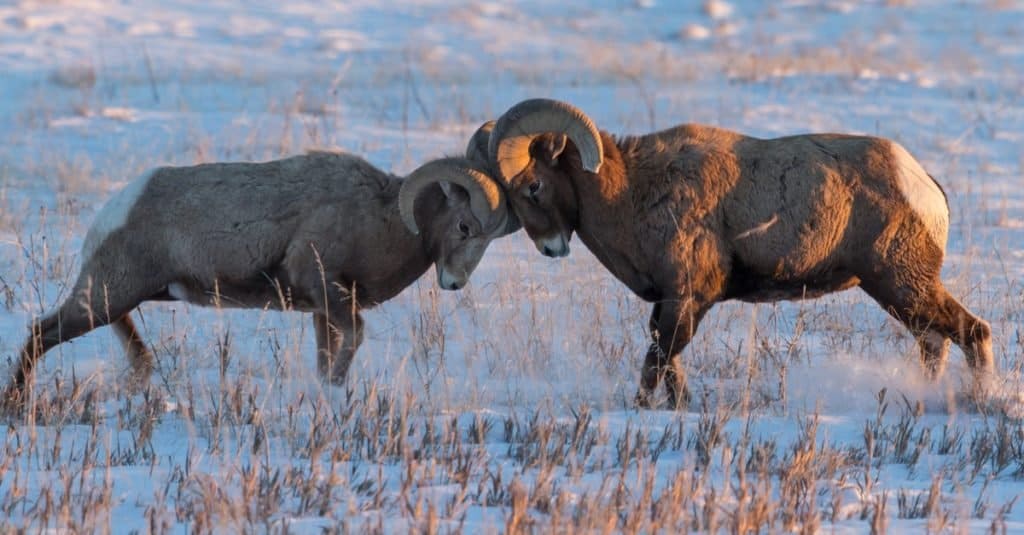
x=534, y=188
x=463, y=228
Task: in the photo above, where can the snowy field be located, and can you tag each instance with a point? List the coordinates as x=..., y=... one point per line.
x=505, y=406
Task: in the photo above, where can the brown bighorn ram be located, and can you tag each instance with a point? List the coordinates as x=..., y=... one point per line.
x=694, y=215
x=324, y=232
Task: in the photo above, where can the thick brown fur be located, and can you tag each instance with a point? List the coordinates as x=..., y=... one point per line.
x=318, y=233
x=694, y=215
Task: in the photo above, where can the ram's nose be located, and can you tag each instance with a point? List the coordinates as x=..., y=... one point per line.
x=448, y=281
x=556, y=247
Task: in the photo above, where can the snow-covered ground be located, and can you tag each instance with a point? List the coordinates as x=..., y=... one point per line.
x=506, y=406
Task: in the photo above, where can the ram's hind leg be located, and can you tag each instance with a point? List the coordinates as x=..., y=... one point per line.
x=934, y=353
x=74, y=318
x=45, y=333
x=972, y=334
x=139, y=355
x=935, y=317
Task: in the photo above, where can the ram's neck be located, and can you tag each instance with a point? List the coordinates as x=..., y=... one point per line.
x=608, y=186
x=606, y=217
x=601, y=197
x=394, y=256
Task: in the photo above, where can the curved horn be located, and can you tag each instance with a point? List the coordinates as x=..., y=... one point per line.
x=510, y=140
x=512, y=224
x=485, y=197
x=478, y=151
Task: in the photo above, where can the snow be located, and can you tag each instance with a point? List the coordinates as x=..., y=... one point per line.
x=462, y=404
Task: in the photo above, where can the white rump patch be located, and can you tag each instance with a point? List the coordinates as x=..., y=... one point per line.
x=923, y=195
x=113, y=215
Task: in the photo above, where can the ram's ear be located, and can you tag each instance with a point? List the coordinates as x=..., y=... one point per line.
x=454, y=193
x=446, y=188
x=549, y=147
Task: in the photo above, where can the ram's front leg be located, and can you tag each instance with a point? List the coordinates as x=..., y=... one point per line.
x=653, y=362
x=338, y=336
x=673, y=324
x=695, y=279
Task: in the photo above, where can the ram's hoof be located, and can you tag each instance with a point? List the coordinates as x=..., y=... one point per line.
x=643, y=399
x=678, y=398
x=12, y=402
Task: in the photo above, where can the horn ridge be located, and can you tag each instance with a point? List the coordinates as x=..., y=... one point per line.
x=515, y=130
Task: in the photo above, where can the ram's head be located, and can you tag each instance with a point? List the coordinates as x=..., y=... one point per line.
x=531, y=150
x=468, y=211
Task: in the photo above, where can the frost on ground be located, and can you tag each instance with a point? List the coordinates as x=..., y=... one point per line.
x=506, y=406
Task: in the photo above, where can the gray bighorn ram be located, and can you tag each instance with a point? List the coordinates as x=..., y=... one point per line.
x=694, y=215
x=324, y=232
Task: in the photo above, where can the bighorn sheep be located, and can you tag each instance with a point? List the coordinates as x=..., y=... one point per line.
x=694, y=215
x=324, y=232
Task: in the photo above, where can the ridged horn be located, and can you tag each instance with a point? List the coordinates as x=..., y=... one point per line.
x=485, y=196
x=509, y=146
x=478, y=149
